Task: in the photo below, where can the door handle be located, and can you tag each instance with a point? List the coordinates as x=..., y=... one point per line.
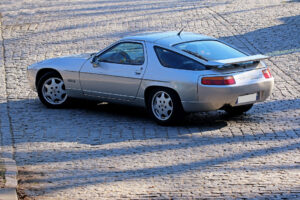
x=138, y=72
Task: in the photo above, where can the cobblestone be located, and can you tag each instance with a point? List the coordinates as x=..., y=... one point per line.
x=114, y=152
x=2, y=174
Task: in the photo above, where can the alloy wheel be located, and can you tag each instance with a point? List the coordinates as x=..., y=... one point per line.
x=54, y=91
x=162, y=105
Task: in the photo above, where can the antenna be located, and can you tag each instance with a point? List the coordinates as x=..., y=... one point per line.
x=180, y=32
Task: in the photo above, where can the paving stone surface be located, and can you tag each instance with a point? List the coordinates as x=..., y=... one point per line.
x=2, y=174
x=115, y=152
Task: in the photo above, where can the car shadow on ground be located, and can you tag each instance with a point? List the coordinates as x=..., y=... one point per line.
x=86, y=122
x=189, y=135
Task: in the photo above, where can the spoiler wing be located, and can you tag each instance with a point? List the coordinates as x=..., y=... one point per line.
x=224, y=63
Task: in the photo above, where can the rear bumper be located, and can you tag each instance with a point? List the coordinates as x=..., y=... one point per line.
x=214, y=98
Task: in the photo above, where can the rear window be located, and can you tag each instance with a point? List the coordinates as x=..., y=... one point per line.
x=174, y=60
x=210, y=50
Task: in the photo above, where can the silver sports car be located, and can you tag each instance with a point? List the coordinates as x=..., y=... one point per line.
x=169, y=73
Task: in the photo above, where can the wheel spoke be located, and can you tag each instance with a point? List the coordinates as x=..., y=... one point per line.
x=60, y=85
x=168, y=107
x=156, y=107
x=168, y=100
x=159, y=112
x=157, y=101
x=165, y=113
x=61, y=95
x=50, y=96
x=48, y=93
x=47, y=86
x=61, y=91
x=163, y=96
x=52, y=82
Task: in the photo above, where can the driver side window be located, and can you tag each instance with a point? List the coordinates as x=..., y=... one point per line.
x=129, y=53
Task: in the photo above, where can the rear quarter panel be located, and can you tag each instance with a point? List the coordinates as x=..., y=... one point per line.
x=184, y=82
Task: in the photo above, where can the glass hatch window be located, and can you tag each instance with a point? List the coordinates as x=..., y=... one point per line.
x=210, y=50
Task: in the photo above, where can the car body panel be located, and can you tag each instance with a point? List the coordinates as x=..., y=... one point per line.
x=127, y=84
x=182, y=81
x=68, y=67
x=215, y=97
x=111, y=80
x=168, y=38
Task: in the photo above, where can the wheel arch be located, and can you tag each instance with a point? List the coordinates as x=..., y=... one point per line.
x=43, y=71
x=153, y=87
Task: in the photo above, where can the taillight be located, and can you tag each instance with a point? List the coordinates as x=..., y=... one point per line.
x=266, y=73
x=218, y=80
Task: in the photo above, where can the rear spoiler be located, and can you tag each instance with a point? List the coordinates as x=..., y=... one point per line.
x=233, y=61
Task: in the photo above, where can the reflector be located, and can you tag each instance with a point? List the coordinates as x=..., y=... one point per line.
x=267, y=73
x=218, y=80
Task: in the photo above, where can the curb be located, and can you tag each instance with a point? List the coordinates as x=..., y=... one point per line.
x=7, y=151
x=8, y=194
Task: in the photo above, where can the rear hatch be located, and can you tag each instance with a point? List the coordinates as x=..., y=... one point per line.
x=244, y=69
x=235, y=82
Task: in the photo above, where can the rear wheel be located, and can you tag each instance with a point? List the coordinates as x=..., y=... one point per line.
x=51, y=90
x=164, y=106
x=238, y=110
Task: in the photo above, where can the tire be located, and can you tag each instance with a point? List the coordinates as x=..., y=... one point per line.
x=238, y=110
x=51, y=90
x=164, y=106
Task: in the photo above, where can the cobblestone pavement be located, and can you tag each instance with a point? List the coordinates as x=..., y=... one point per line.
x=2, y=172
x=113, y=152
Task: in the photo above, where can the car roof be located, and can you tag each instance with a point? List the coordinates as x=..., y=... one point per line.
x=168, y=38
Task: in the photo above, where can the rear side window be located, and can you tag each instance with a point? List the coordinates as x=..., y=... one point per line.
x=174, y=60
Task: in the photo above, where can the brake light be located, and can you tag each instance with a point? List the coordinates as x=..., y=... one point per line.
x=218, y=80
x=267, y=73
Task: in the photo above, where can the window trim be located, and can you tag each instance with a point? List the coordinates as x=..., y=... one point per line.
x=110, y=48
x=154, y=47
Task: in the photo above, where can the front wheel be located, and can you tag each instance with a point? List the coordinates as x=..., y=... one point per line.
x=164, y=106
x=238, y=110
x=51, y=90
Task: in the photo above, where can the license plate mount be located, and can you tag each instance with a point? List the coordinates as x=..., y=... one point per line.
x=247, y=98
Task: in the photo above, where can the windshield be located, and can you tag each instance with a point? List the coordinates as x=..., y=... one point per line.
x=210, y=50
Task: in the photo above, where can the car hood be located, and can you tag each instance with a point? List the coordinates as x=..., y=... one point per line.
x=72, y=61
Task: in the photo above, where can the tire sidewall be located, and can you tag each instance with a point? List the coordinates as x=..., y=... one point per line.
x=40, y=84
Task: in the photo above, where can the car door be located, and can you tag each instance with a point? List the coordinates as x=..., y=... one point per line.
x=116, y=73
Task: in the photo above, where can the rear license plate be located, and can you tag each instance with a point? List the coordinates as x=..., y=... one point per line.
x=247, y=98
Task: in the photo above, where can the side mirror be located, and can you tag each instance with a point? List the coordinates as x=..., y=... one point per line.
x=96, y=65
x=93, y=59
x=95, y=62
